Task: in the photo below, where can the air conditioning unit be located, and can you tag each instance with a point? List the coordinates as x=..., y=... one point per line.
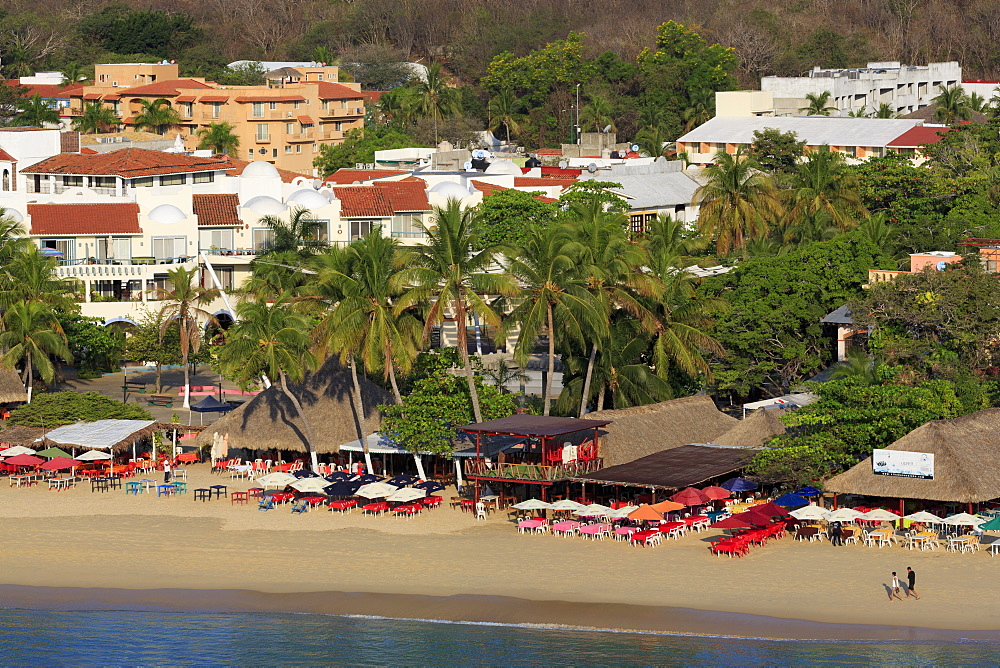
x=115, y=84
x=289, y=114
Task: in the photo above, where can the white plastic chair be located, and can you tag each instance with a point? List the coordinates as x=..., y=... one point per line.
x=480, y=510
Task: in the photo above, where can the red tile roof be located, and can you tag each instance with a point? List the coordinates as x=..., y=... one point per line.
x=489, y=188
x=165, y=88
x=84, y=219
x=335, y=91
x=6, y=157
x=216, y=209
x=91, y=96
x=48, y=91
x=548, y=151
x=182, y=98
x=306, y=120
x=915, y=136
x=126, y=162
x=347, y=176
x=110, y=97
x=270, y=98
x=363, y=202
x=526, y=181
x=213, y=98
x=235, y=167
x=372, y=96
x=405, y=195
x=87, y=151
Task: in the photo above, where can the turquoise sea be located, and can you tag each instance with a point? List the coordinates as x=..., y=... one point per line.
x=33, y=637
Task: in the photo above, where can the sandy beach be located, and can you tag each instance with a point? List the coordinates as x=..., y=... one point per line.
x=182, y=554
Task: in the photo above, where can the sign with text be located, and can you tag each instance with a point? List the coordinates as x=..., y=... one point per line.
x=903, y=464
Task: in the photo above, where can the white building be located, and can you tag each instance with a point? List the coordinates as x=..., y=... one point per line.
x=905, y=88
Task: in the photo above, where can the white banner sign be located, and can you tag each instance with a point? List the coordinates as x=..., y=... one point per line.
x=903, y=464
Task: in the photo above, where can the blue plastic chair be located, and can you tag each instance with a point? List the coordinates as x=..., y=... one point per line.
x=300, y=507
x=266, y=504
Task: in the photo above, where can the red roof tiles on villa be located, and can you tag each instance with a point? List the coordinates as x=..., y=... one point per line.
x=490, y=188
x=405, y=195
x=75, y=219
x=335, y=91
x=167, y=88
x=212, y=210
x=347, y=176
x=363, y=202
x=127, y=163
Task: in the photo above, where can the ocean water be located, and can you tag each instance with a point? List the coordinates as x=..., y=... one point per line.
x=32, y=637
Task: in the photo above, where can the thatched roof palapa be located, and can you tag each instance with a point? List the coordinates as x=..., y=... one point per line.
x=20, y=435
x=754, y=430
x=966, y=458
x=101, y=434
x=643, y=430
x=11, y=388
x=269, y=420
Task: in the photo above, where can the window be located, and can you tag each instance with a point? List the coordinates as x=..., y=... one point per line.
x=216, y=109
x=325, y=104
x=118, y=248
x=225, y=276
x=167, y=248
x=250, y=152
x=203, y=177
x=272, y=105
x=173, y=179
x=215, y=239
x=288, y=148
x=186, y=109
x=262, y=133
x=405, y=226
x=360, y=229
x=142, y=182
x=638, y=225
x=338, y=125
x=258, y=110
x=320, y=75
x=263, y=238
x=289, y=128
x=6, y=179
x=65, y=246
x=104, y=182
x=295, y=105
x=72, y=181
x=298, y=148
x=274, y=153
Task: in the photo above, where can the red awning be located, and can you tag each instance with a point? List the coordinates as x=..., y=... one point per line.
x=214, y=98
x=92, y=96
x=305, y=120
x=112, y=97
x=185, y=98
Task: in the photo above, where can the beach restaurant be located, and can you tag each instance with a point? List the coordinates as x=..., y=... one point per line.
x=963, y=468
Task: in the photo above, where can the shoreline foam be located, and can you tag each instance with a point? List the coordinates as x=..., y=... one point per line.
x=473, y=609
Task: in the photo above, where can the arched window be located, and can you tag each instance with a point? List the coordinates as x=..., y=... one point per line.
x=6, y=180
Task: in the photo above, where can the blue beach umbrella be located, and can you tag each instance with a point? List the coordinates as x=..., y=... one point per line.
x=403, y=480
x=791, y=501
x=430, y=486
x=808, y=491
x=343, y=488
x=739, y=485
x=338, y=476
x=367, y=478
x=305, y=473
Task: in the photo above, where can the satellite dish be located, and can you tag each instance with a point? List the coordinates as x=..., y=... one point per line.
x=941, y=265
x=467, y=165
x=635, y=148
x=479, y=154
x=592, y=167
x=563, y=164
x=607, y=129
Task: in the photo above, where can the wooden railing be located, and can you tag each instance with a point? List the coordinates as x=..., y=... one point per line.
x=479, y=468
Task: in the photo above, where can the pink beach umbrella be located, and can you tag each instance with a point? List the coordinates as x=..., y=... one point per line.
x=690, y=497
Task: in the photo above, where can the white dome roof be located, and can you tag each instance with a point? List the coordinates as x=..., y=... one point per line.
x=265, y=205
x=450, y=190
x=260, y=169
x=14, y=215
x=503, y=167
x=167, y=214
x=308, y=198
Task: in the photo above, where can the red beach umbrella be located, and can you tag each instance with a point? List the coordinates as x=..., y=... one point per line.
x=732, y=522
x=690, y=497
x=24, y=460
x=769, y=508
x=753, y=517
x=59, y=463
x=716, y=493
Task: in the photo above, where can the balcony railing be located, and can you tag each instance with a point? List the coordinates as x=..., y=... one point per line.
x=121, y=270
x=480, y=468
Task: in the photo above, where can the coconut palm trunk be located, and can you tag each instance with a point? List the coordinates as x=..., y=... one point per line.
x=587, y=379
x=552, y=357
x=463, y=351
x=27, y=372
x=310, y=442
x=390, y=369
x=359, y=414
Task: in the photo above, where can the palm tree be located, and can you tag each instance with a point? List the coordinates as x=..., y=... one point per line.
x=858, y=366
x=219, y=137
x=321, y=54
x=184, y=303
x=504, y=374
x=699, y=109
x=95, y=118
x=35, y=112
x=29, y=276
x=818, y=104
x=156, y=115
x=952, y=105
x=436, y=99
x=822, y=184
x=503, y=110
x=31, y=334
x=737, y=201
x=452, y=276
x=597, y=114
x=885, y=110
x=977, y=103
x=668, y=242
x=653, y=142
x=292, y=235
x=398, y=105
x=553, y=298
x=73, y=73
x=270, y=339
x=368, y=320
x=13, y=242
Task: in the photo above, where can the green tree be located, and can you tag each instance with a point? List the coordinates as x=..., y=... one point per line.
x=436, y=98
x=219, y=137
x=504, y=110
x=269, y=339
x=553, y=298
x=360, y=147
x=146, y=344
x=452, y=276
x=504, y=374
x=737, y=201
x=653, y=142
x=60, y=408
x=10, y=101
x=596, y=114
x=589, y=191
x=95, y=118
x=293, y=235
x=885, y=110
x=184, y=302
x=506, y=217
x=775, y=151
x=818, y=104
x=31, y=334
x=95, y=347
x=156, y=115
x=244, y=74
x=36, y=112
x=73, y=72
x=821, y=185
x=951, y=105
x=29, y=276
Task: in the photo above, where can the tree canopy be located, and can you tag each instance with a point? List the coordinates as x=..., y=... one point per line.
x=59, y=408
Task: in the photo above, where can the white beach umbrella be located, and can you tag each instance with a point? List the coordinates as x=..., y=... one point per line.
x=405, y=494
x=622, y=513
x=92, y=456
x=376, y=490
x=964, y=519
x=566, y=504
x=812, y=512
x=593, y=510
x=843, y=515
x=880, y=515
x=532, y=504
x=276, y=479
x=15, y=450
x=310, y=485
x=923, y=516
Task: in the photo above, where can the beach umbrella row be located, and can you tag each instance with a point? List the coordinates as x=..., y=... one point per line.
x=15, y=450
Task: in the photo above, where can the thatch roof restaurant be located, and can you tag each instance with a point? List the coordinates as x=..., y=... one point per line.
x=11, y=388
x=675, y=468
x=966, y=461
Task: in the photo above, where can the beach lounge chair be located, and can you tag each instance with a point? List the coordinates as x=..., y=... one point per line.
x=300, y=507
x=267, y=503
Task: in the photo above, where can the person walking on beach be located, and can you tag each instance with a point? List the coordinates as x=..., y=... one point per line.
x=911, y=579
x=895, y=587
x=166, y=472
x=836, y=534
